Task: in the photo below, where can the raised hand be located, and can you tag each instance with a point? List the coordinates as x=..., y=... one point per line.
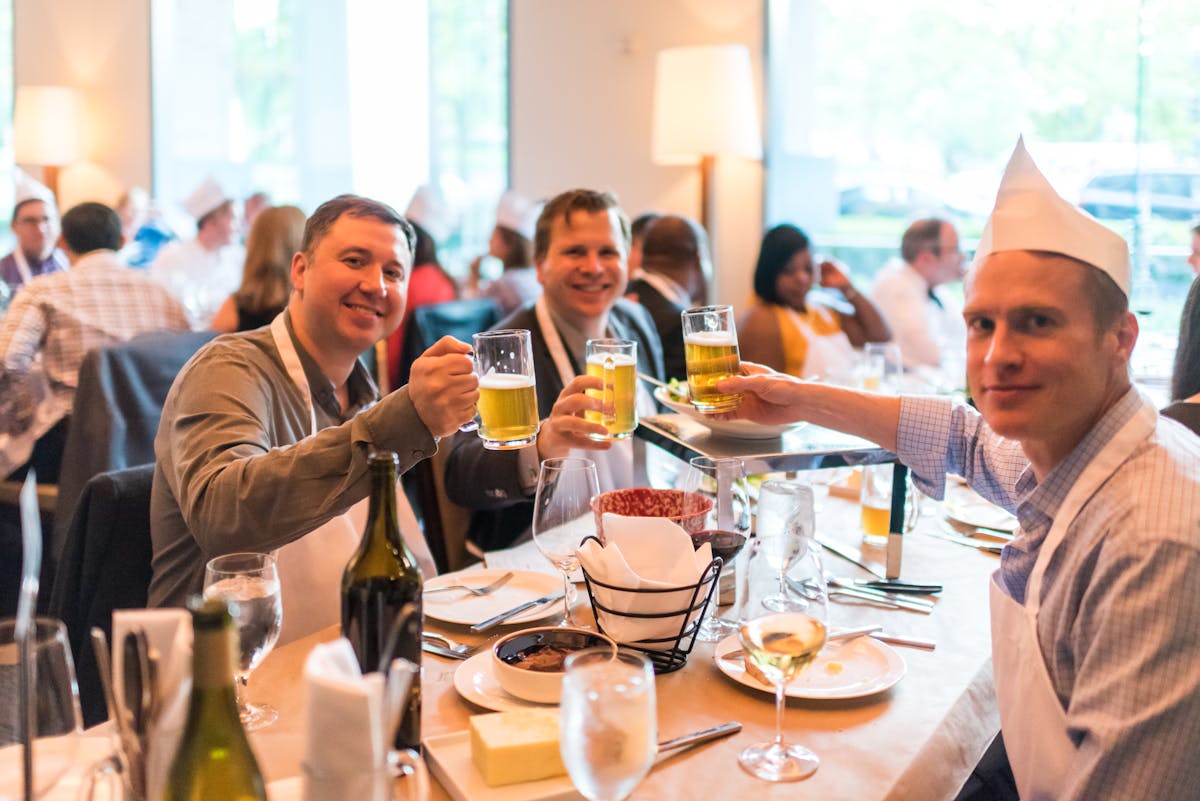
x=443, y=386
x=566, y=427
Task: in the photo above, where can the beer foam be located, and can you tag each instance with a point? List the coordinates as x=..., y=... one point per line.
x=505, y=381
x=618, y=359
x=712, y=339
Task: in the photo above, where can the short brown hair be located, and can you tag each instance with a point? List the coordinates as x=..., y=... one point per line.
x=1107, y=301
x=331, y=211
x=518, y=251
x=585, y=200
x=922, y=235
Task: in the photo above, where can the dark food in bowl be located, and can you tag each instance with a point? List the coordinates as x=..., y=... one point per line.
x=546, y=651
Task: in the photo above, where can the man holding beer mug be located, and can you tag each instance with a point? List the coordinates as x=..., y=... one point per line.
x=580, y=251
x=265, y=434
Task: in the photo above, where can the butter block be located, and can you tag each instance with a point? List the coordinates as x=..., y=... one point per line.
x=517, y=746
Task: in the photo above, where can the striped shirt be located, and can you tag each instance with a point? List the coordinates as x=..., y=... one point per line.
x=1120, y=599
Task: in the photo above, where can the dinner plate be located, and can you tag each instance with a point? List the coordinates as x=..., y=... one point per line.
x=969, y=508
x=476, y=682
x=449, y=760
x=467, y=610
x=736, y=429
x=854, y=669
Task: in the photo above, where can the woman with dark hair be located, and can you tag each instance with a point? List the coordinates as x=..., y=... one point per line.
x=512, y=243
x=1185, y=381
x=793, y=333
x=274, y=238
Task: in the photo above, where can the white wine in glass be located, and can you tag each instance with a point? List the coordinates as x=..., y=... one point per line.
x=562, y=515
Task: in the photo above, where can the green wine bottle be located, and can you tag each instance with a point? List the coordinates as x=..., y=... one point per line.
x=381, y=578
x=214, y=761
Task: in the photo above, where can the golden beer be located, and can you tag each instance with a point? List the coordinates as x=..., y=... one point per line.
x=620, y=414
x=711, y=356
x=508, y=413
x=874, y=523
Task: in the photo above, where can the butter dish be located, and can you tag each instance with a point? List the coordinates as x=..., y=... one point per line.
x=449, y=759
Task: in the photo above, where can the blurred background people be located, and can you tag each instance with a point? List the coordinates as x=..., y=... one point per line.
x=1185, y=380
x=637, y=232
x=35, y=225
x=203, y=271
x=145, y=231
x=1194, y=259
x=254, y=205
x=512, y=243
x=274, y=239
x=675, y=264
x=925, y=319
x=790, y=331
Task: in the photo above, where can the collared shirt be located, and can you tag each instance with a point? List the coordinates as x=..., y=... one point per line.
x=1120, y=598
x=10, y=273
x=236, y=468
x=926, y=321
x=54, y=320
x=201, y=279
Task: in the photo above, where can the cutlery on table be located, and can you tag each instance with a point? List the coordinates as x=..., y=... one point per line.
x=905, y=641
x=696, y=738
x=983, y=532
x=492, y=622
x=485, y=590
x=986, y=547
x=129, y=743
x=853, y=556
x=441, y=639
x=851, y=590
x=897, y=586
x=434, y=648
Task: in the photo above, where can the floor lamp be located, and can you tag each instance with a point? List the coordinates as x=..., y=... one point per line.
x=48, y=129
x=704, y=107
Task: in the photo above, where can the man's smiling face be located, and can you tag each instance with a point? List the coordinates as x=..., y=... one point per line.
x=583, y=272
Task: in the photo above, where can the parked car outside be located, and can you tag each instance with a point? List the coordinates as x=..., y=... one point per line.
x=1173, y=194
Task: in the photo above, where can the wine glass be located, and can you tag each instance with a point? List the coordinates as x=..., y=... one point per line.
x=716, y=491
x=608, y=722
x=785, y=520
x=57, y=723
x=249, y=583
x=562, y=515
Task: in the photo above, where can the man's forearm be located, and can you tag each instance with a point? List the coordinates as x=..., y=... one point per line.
x=873, y=417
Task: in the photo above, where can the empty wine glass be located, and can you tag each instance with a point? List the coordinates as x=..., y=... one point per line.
x=785, y=519
x=608, y=722
x=717, y=490
x=562, y=515
x=249, y=583
x=55, y=715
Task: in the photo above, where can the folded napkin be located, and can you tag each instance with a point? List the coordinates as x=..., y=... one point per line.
x=644, y=553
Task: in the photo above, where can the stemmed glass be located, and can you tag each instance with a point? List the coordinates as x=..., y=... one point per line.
x=57, y=725
x=716, y=507
x=785, y=520
x=249, y=582
x=608, y=722
x=562, y=515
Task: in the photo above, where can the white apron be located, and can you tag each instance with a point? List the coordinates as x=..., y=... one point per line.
x=311, y=567
x=614, y=467
x=23, y=263
x=828, y=354
x=1031, y=717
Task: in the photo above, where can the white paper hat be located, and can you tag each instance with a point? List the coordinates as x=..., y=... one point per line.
x=517, y=213
x=26, y=188
x=430, y=210
x=1030, y=215
x=204, y=198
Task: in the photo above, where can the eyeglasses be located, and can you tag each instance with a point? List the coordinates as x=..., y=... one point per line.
x=43, y=220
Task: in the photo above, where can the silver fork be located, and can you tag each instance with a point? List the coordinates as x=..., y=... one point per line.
x=495, y=585
x=460, y=649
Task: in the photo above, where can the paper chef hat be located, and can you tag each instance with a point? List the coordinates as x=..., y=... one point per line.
x=430, y=210
x=1030, y=215
x=516, y=213
x=205, y=198
x=26, y=188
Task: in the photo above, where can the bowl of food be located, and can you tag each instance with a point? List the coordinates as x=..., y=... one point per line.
x=676, y=400
x=649, y=502
x=530, y=664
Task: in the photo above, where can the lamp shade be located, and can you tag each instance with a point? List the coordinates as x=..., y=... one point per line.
x=47, y=125
x=704, y=105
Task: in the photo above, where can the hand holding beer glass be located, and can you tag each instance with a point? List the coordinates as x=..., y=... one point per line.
x=711, y=352
x=613, y=361
x=508, y=411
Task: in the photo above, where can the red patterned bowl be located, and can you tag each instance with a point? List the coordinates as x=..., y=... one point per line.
x=647, y=502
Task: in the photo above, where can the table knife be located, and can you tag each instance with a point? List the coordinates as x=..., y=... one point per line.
x=516, y=610
x=876, y=596
x=440, y=651
x=697, y=737
x=986, y=547
x=902, y=587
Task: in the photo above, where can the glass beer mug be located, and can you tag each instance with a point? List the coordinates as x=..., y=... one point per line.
x=711, y=352
x=507, y=409
x=614, y=361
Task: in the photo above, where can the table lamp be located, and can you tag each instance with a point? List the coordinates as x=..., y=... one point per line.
x=703, y=108
x=48, y=129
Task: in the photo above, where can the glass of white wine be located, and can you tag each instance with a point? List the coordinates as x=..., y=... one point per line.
x=249, y=583
x=608, y=722
x=562, y=515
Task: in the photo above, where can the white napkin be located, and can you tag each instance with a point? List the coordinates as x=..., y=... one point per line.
x=347, y=738
x=644, y=553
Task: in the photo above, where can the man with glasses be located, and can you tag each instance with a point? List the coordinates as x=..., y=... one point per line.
x=926, y=320
x=35, y=225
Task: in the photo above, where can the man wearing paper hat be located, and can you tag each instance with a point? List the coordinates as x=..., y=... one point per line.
x=512, y=243
x=35, y=225
x=203, y=271
x=1095, y=604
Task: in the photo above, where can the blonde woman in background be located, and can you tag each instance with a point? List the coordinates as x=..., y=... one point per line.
x=266, y=277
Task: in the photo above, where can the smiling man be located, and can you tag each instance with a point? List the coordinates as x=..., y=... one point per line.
x=35, y=225
x=1095, y=604
x=580, y=249
x=265, y=435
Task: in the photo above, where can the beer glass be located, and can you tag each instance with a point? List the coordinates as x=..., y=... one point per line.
x=614, y=361
x=508, y=411
x=876, y=502
x=882, y=368
x=711, y=350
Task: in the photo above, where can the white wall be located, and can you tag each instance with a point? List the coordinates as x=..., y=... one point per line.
x=582, y=98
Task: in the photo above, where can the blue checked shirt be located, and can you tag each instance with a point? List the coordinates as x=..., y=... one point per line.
x=1119, y=625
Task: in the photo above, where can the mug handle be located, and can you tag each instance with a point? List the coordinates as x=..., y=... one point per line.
x=472, y=424
x=111, y=772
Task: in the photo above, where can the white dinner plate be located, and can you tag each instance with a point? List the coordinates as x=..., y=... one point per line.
x=449, y=760
x=465, y=609
x=737, y=429
x=854, y=669
x=968, y=507
x=476, y=682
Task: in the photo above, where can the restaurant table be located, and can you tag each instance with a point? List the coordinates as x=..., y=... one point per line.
x=918, y=740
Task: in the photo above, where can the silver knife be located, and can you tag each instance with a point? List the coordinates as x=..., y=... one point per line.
x=853, y=556
x=697, y=737
x=516, y=610
x=986, y=547
x=875, y=596
x=911, y=642
x=440, y=651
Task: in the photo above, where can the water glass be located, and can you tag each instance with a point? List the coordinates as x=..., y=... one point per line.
x=507, y=408
x=562, y=515
x=608, y=722
x=719, y=490
x=785, y=523
x=613, y=361
x=711, y=352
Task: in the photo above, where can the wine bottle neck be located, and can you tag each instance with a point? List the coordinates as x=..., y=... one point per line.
x=382, y=513
x=213, y=659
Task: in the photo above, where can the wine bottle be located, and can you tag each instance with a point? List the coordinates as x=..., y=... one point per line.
x=381, y=578
x=214, y=761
